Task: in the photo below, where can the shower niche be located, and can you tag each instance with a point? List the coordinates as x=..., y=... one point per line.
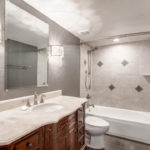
x=26, y=48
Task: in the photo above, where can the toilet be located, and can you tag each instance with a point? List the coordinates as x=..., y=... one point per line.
x=95, y=129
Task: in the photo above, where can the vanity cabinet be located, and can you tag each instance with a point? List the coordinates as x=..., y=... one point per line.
x=67, y=134
x=48, y=136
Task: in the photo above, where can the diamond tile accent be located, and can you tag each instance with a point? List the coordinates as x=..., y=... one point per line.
x=124, y=62
x=100, y=64
x=111, y=87
x=139, y=88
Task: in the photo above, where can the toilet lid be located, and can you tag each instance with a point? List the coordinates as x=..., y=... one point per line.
x=95, y=121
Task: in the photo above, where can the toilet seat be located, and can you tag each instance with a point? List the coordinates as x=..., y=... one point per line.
x=95, y=121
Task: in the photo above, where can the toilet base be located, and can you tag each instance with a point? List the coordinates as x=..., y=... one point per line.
x=95, y=142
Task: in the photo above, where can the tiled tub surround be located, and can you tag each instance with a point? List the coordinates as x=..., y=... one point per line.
x=121, y=76
x=118, y=81
x=20, y=123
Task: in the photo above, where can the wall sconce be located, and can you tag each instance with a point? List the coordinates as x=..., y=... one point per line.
x=1, y=34
x=57, y=51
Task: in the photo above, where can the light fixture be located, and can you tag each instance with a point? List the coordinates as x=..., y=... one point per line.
x=116, y=40
x=57, y=51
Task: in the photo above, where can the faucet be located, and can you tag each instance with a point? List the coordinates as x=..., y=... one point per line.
x=42, y=98
x=88, y=105
x=35, y=98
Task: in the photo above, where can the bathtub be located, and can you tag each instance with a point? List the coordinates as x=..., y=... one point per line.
x=133, y=125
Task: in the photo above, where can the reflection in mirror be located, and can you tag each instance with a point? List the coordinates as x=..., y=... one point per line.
x=26, y=48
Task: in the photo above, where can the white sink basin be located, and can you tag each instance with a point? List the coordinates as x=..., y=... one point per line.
x=48, y=108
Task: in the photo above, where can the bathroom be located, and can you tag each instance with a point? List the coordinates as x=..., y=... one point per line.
x=74, y=75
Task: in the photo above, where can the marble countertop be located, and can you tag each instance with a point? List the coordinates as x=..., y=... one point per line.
x=15, y=123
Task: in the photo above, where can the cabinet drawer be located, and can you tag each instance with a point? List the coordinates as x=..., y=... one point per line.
x=30, y=143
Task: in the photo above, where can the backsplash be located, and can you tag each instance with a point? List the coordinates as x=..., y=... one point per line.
x=121, y=76
x=22, y=101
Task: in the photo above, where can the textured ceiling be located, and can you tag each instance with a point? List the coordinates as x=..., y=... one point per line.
x=102, y=18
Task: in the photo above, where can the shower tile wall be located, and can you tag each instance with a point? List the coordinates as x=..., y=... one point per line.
x=121, y=76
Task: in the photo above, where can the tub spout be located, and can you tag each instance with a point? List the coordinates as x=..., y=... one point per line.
x=88, y=105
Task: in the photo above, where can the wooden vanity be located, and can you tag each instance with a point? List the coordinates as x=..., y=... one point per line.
x=67, y=134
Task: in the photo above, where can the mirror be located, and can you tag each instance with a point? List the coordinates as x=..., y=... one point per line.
x=26, y=48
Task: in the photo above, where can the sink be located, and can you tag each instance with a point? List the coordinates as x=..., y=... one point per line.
x=48, y=108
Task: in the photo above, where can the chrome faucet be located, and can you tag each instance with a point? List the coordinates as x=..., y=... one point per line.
x=35, y=98
x=88, y=105
x=42, y=98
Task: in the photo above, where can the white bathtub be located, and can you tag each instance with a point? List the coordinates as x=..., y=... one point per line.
x=133, y=125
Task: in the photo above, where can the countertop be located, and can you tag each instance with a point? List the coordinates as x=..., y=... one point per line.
x=15, y=123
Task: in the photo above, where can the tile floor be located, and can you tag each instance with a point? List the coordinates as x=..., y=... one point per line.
x=115, y=143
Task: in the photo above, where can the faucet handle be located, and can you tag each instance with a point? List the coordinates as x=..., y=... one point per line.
x=35, y=98
x=42, y=98
x=28, y=103
x=35, y=94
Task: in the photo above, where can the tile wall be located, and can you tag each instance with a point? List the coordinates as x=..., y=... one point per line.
x=121, y=76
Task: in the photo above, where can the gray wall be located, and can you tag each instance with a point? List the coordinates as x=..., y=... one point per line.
x=17, y=55
x=65, y=76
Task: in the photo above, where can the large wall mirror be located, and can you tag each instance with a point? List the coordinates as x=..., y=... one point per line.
x=26, y=48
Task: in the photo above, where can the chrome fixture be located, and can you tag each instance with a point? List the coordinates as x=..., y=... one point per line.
x=28, y=103
x=35, y=98
x=88, y=105
x=88, y=96
x=42, y=98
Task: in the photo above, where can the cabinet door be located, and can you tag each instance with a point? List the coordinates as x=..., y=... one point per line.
x=72, y=139
x=62, y=143
x=48, y=137
x=4, y=148
x=61, y=135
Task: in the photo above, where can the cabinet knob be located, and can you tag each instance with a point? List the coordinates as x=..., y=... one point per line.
x=49, y=129
x=29, y=145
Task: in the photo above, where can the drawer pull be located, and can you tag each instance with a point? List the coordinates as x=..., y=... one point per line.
x=81, y=109
x=29, y=145
x=49, y=129
x=81, y=142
